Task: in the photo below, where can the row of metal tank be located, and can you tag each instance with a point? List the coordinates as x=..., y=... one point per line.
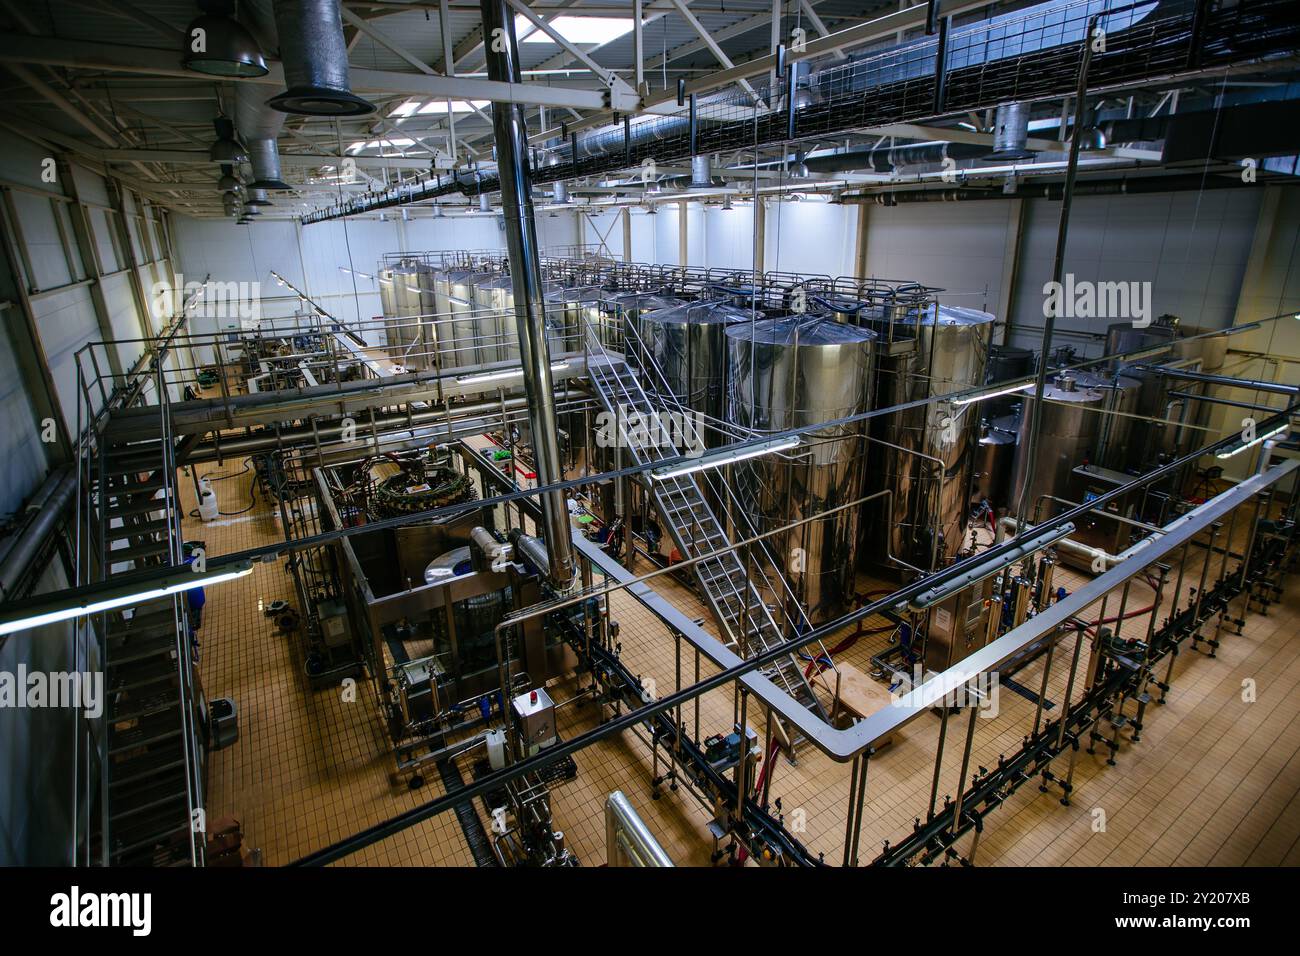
x=740, y=372
x=765, y=375
x=462, y=317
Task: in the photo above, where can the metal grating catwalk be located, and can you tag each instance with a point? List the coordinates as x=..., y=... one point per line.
x=746, y=622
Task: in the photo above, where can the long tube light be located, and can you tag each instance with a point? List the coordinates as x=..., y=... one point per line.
x=504, y=373
x=163, y=587
x=1036, y=541
x=1008, y=390
x=725, y=458
x=1231, y=452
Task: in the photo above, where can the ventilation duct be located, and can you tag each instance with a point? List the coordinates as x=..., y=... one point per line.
x=701, y=173
x=1011, y=132
x=315, y=57
x=259, y=126
x=560, y=193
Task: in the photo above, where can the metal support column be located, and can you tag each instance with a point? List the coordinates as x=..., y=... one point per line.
x=526, y=273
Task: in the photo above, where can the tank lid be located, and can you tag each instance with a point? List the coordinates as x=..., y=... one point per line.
x=805, y=330
x=711, y=312
x=576, y=294
x=953, y=315
x=1068, y=390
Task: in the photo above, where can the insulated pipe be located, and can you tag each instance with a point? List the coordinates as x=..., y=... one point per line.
x=1058, y=269
x=396, y=423
x=259, y=127
x=510, y=133
x=315, y=58
x=46, y=510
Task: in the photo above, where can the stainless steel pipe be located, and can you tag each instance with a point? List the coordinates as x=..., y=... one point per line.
x=509, y=130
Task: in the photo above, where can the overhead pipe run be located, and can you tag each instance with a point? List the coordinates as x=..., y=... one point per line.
x=315, y=56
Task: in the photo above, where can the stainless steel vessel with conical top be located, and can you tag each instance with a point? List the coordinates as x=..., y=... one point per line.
x=1070, y=420
x=925, y=455
x=687, y=348
x=787, y=373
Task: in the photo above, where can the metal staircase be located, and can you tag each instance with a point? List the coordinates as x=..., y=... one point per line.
x=745, y=619
x=149, y=752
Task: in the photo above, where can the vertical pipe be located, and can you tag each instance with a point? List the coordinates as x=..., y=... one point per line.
x=1058, y=268
x=526, y=275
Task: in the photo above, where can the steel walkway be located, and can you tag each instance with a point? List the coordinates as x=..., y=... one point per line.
x=747, y=624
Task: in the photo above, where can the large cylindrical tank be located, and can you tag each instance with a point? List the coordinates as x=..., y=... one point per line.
x=625, y=310
x=1067, y=433
x=1121, y=395
x=454, y=303
x=1156, y=433
x=494, y=322
x=925, y=455
x=687, y=346
x=574, y=314
x=1007, y=363
x=995, y=462
x=787, y=373
x=407, y=302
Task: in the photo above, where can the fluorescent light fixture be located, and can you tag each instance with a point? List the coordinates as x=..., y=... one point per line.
x=725, y=458
x=1230, y=453
x=178, y=581
x=1035, y=541
x=574, y=29
x=1233, y=330
x=1009, y=390
x=503, y=374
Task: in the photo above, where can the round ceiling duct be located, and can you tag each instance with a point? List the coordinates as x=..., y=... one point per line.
x=315, y=56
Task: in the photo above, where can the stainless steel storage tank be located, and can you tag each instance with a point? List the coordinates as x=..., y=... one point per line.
x=1156, y=431
x=407, y=303
x=925, y=455
x=574, y=315
x=995, y=463
x=687, y=348
x=454, y=304
x=625, y=310
x=1120, y=412
x=1070, y=421
x=494, y=322
x=787, y=373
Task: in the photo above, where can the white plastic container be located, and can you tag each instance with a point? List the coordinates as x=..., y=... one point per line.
x=496, y=747
x=208, y=507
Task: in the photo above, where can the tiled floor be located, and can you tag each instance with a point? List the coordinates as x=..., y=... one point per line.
x=1214, y=780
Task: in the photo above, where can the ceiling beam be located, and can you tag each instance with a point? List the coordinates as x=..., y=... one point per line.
x=15, y=48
